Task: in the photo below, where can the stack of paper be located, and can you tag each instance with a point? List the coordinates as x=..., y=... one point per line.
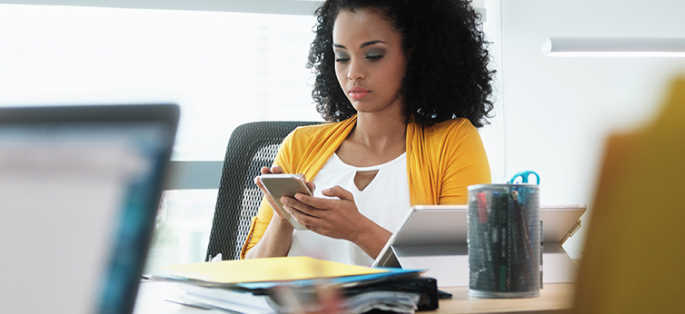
x=293, y=284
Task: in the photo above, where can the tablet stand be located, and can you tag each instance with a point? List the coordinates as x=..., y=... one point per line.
x=449, y=263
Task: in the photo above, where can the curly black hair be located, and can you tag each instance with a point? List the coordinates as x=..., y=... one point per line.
x=447, y=74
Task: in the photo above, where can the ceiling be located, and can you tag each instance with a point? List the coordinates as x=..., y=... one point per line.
x=297, y=7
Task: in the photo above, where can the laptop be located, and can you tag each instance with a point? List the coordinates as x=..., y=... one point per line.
x=79, y=192
x=434, y=237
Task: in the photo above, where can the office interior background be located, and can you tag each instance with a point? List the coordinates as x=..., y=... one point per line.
x=227, y=62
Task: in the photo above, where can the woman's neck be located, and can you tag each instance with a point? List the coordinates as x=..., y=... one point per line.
x=376, y=139
x=378, y=131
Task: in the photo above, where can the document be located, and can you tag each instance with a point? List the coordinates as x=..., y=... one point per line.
x=267, y=270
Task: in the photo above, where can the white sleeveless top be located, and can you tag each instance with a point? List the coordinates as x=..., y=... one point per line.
x=385, y=201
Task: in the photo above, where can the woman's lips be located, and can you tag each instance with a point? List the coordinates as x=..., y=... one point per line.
x=358, y=92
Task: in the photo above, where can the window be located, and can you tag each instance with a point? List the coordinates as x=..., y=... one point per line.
x=222, y=68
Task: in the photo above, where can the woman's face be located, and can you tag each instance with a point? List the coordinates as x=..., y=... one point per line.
x=369, y=61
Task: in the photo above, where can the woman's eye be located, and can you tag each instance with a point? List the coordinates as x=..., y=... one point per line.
x=374, y=57
x=341, y=58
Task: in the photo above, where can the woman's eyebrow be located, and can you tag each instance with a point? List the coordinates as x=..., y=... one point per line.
x=368, y=43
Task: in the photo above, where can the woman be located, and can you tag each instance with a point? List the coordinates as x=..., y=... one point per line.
x=405, y=84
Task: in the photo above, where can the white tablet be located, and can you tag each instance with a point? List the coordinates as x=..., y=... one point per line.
x=447, y=225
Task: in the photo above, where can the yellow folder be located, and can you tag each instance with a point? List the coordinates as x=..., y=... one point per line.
x=267, y=269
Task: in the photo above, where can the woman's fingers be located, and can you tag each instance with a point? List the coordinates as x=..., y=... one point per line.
x=336, y=217
x=273, y=169
x=338, y=192
x=304, y=219
x=300, y=208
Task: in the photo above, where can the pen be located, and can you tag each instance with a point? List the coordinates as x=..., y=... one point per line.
x=482, y=207
x=499, y=241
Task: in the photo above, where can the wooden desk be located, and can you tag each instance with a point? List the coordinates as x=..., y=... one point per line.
x=553, y=299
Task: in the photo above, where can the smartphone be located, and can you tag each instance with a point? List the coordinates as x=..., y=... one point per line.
x=279, y=185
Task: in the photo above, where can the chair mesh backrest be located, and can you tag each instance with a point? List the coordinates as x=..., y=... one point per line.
x=251, y=146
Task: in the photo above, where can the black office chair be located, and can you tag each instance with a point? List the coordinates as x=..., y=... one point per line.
x=251, y=147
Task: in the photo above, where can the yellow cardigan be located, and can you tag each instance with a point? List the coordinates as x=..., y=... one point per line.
x=441, y=162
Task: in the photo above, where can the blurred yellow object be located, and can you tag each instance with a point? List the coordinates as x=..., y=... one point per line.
x=267, y=269
x=634, y=257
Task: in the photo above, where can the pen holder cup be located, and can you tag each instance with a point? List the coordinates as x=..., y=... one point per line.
x=504, y=241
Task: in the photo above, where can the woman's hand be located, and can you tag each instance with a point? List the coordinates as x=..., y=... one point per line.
x=272, y=203
x=337, y=218
x=277, y=239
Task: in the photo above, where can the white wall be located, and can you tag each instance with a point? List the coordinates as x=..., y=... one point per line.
x=554, y=114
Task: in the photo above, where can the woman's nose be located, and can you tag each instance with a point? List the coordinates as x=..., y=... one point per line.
x=356, y=71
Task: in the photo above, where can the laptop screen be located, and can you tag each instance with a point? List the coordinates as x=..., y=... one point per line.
x=79, y=191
